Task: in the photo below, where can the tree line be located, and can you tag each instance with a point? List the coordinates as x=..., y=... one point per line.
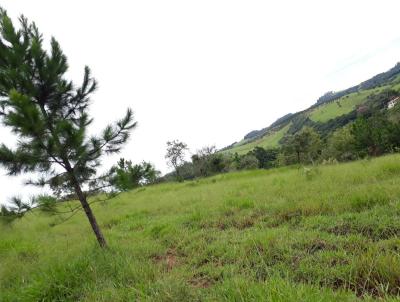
x=374, y=132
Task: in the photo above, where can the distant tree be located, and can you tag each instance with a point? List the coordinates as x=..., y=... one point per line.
x=375, y=135
x=305, y=145
x=341, y=145
x=186, y=171
x=49, y=115
x=176, y=156
x=266, y=157
x=377, y=101
x=236, y=159
x=207, y=161
x=125, y=176
x=248, y=162
x=219, y=163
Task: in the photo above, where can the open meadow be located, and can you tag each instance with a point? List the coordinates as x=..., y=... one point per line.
x=325, y=233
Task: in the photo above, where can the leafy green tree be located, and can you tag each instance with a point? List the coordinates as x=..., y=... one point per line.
x=375, y=135
x=305, y=145
x=248, y=162
x=49, y=116
x=236, y=160
x=207, y=162
x=341, y=145
x=175, y=156
x=125, y=176
x=266, y=157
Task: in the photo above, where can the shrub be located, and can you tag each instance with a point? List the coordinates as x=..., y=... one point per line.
x=248, y=162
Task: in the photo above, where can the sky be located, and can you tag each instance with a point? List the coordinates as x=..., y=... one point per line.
x=208, y=72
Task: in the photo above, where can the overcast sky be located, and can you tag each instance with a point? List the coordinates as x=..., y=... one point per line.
x=208, y=72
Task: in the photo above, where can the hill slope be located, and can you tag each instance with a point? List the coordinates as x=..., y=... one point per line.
x=278, y=235
x=322, y=114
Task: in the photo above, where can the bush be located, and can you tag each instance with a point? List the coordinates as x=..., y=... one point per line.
x=266, y=157
x=341, y=145
x=124, y=176
x=207, y=162
x=248, y=162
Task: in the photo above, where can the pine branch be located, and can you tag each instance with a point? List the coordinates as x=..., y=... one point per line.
x=77, y=209
x=110, y=136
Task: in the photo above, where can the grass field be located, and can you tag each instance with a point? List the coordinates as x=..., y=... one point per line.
x=346, y=104
x=327, y=233
x=342, y=106
x=270, y=140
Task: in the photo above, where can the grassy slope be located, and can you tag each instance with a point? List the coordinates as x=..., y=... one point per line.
x=321, y=114
x=270, y=140
x=347, y=103
x=280, y=235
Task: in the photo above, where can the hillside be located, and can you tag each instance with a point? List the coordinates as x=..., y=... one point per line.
x=283, y=234
x=331, y=111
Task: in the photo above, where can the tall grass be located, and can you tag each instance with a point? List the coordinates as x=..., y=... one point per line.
x=276, y=235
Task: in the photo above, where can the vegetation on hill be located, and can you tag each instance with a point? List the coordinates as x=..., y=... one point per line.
x=371, y=130
x=347, y=103
x=285, y=234
x=269, y=140
x=340, y=107
x=334, y=111
x=376, y=81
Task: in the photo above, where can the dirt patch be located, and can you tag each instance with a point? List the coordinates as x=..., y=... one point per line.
x=369, y=231
x=314, y=246
x=320, y=245
x=169, y=260
x=239, y=223
x=202, y=281
x=247, y=222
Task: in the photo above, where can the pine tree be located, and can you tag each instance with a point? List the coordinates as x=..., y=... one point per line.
x=49, y=116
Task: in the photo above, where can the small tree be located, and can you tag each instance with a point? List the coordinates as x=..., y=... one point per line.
x=176, y=156
x=48, y=113
x=375, y=135
x=266, y=157
x=341, y=145
x=248, y=162
x=207, y=161
x=305, y=145
x=125, y=176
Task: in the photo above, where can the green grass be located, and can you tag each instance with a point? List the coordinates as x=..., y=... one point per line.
x=347, y=103
x=342, y=106
x=270, y=140
x=330, y=233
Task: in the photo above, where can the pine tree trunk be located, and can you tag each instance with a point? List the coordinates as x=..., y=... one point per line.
x=86, y=207
x=92, y=219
